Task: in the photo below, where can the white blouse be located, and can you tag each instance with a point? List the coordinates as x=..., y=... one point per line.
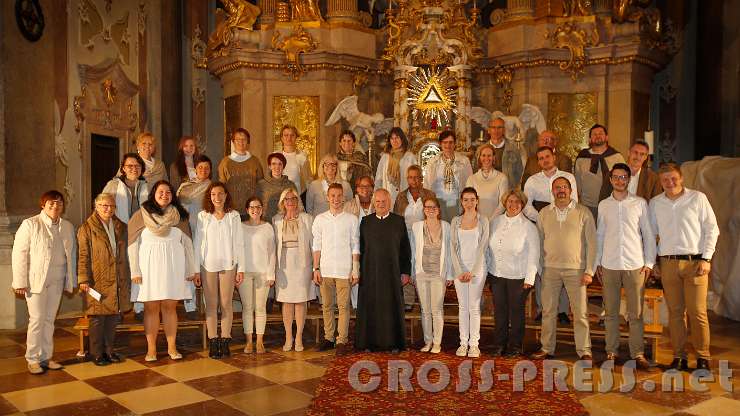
x=515, y=248
x=259, y=249
x=219, y=243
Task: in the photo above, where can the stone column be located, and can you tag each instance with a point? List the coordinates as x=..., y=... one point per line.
x=603, y=8
x=400, y=103
x=267, y=17
x=520, y=9
x=464, y=93
x=344, y=11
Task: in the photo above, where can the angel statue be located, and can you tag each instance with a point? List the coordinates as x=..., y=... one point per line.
x=518, y=142
x=239, y=14
x=364, y=126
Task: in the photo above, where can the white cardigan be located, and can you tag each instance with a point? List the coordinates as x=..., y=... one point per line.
x=237, y=237
x=118, y=188
x=32, y=253
x=381, y=174
x=417, y=251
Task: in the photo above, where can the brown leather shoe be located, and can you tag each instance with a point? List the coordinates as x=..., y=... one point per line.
x=586, y=357
x=641, y=363
x=541, y=355
x=342, y=349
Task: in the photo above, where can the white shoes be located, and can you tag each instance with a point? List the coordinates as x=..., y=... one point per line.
x=474, y=352
x=436, y=349
x=426, y=348
x=462, y=351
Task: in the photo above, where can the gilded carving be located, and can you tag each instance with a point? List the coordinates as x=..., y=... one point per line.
x=577, y=8
x=305, y=11
x=298, y=42
x=78, y=106
x=303, y=113
x=198, y=48
x=570, y=116
x=109, y=92
x=575, y=40
x=359, y=79
x=503, y=78
x=238, y=15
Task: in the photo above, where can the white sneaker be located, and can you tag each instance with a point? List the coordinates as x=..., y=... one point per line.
x=474, y=352
x=426, y=348
x=436, y=349
x=462, y=351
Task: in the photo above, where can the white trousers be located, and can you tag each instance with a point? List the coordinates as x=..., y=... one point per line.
x=42, y=310
x=431, y=298
x=253, y=293
x=469, y=304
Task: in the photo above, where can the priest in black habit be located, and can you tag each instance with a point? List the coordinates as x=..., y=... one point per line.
x=385, y=256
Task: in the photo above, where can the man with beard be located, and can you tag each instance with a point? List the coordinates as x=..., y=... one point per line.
x=568, y=238
x=592, y=168
x=547, y=139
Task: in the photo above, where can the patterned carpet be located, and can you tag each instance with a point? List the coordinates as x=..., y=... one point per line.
x=336, y=396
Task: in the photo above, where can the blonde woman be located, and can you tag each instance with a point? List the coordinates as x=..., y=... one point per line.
x=316, y=199
x=146, y=147
x=259, y=273
x=430, y=262
x=396, y=159
x=489, y=183
x=296, y=167
x=294, y=286
x=469, y=244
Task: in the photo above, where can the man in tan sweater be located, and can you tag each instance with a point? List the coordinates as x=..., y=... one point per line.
x=568, y=236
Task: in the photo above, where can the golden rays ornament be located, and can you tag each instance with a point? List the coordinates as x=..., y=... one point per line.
x=432, y=95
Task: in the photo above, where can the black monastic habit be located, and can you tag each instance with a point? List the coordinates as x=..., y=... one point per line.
x=385, y=255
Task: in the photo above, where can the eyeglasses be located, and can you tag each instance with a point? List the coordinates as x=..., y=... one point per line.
x=330, y=164
x=430, y=207
x=620, y=177
x=132, y=166
x=291, y=198
x=107, y=206
x=257, y=206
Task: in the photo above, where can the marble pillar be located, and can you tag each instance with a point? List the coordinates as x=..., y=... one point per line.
x=520, y=9
x=268, y=11
x=344, y=11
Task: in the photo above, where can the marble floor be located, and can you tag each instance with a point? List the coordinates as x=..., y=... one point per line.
x=277, y=382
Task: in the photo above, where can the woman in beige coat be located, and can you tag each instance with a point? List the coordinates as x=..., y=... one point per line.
x=102, y=270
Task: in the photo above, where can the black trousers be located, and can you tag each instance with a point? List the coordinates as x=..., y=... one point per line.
x=102, y=333
x=508, y=309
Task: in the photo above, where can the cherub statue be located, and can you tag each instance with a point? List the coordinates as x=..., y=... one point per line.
x=240, y=14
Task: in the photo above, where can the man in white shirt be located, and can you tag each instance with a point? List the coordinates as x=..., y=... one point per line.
x=687, y=235
x=336, y=257
x=625, y=254
x=538, y=187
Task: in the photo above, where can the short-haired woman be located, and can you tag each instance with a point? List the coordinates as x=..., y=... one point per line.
x=316, y=202
x=146, y=148
x=430, y=263
x=219, y=250
x=240, y=170
x=515, y=256
x=103, y=267
x=469, y=244
x=447, y=173
x=161, y=259
x=396, y=159
x=294, y=263
x=129, y=188
x=273, y=184
x=259, y=273
x=183, y=168
x=44, y=264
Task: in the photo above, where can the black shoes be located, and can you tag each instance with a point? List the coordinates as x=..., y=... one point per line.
x=497, y=351
x=563, y=318
x=679, y=364
x=514, y=353
x=326, y=345
x=101, y=361
x=702, y=364
x=214, y=348
x=224, y=349
x=113, y=357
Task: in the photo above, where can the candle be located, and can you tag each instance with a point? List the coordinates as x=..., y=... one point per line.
x=390, y=5
x=475, y=4
x=650, y=140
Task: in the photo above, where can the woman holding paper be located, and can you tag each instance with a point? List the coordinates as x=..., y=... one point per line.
x=102, y=272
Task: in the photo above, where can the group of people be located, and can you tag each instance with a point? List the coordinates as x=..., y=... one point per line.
x=151, y=241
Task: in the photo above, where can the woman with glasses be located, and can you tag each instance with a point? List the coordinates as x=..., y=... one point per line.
x=103, y=267
x=271, y=186
x=259, y=273
x=129, y=188
x=469, y=243
x=316, y=199
x=294, y=261
x=447, y=173
x=432, y=272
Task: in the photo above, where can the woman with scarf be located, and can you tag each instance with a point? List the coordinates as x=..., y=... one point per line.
x=447, y=173
x=316, y=200
x=219, y=250
x=183, y=168
x=155, y=170
x=161, y=259
x=352, y=163
x=396, y=159
x=129, y=188
x=241, y=170
x=294, y=262
x=271, y=186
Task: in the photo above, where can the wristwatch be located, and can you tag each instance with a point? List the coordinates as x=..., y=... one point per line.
x=707, y=260
x=316, y=269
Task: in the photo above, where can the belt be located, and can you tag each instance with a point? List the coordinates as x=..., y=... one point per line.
x=689, y=257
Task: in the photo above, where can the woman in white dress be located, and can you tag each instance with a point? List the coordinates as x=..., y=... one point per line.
x=296, y=167
x=130, y=187
x=259, y=273
x=469, y=245
x=219, y=250
x=396, y=159
x=488, y=182
x=515, y=257
x=447, y=173
x=294, y=262
x=161, y=259
x=430, y=263
x=316, y=200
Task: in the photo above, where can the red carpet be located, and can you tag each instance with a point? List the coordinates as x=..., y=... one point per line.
x=336, y=396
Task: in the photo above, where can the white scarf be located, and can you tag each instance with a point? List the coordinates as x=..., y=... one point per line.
x=148, y=164
x=236, y=157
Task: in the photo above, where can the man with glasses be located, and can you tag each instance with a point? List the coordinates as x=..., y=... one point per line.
x=625, y=254
x=336, y=259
